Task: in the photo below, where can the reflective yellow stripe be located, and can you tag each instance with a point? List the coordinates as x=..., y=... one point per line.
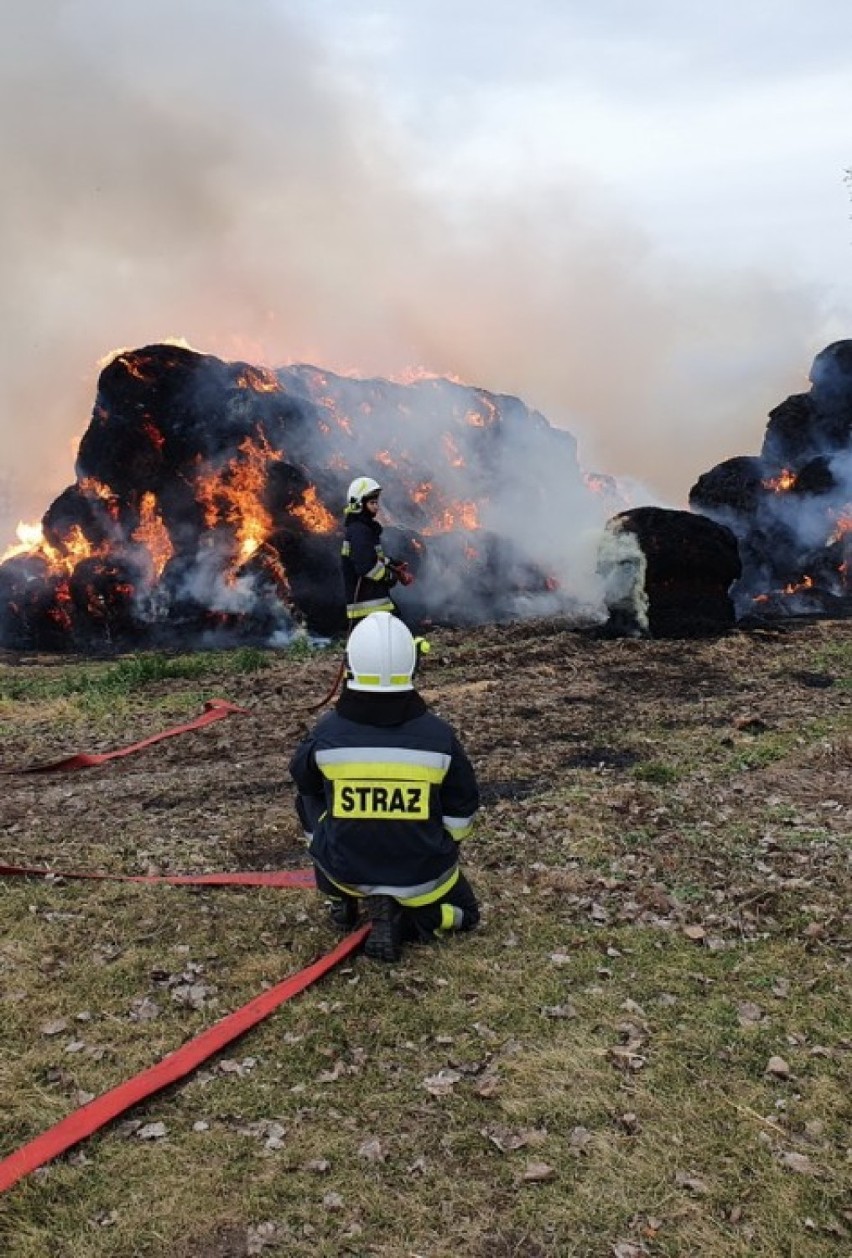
x=377, y=771
x=448, y=917
x=346, y=548
x=373, y=679
x=431, y=896
x=355, y=611
x=381, y=756
x=458, y=827
x=435, y=892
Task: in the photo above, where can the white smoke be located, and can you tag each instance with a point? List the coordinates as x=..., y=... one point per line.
x=208, y=170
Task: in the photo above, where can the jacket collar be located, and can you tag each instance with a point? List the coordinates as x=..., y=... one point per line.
x=380, y=709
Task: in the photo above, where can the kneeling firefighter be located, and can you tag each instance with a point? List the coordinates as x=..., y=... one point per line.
x=386, y=794
x=368, y=573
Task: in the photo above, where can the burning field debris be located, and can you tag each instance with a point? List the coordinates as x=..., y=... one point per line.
x=207, y=505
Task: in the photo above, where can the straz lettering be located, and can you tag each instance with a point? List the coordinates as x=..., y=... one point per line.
x=390, y=801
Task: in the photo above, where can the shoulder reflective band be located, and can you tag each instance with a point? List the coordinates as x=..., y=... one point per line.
x=383, y=764
x=214, y=710
x=356, y=800
x=90, y=1118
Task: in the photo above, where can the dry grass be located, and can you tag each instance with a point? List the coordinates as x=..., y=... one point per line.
x=663, y=861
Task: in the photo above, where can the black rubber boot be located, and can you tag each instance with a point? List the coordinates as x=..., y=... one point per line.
x=384, y=942
x=343, y=912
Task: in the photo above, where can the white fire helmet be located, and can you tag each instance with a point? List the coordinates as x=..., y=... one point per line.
x=362, y=487
x=382, y=655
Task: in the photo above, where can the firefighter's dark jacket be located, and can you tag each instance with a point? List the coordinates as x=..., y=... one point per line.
x=386, y=792
x=367, y=579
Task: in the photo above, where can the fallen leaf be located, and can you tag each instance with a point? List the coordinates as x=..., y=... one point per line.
x=56, y=1027
x=538, y=1172
x=487, y=1086
x=693, y=1183
x=442, y=1083
x=152, y=1131
x=778, y=1068
x=558, y=1011
x=508, y=1139
x=372, y=1150
x=798, y=1162
x=626, y=1058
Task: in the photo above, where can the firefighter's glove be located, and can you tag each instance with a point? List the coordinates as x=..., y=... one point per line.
x=402, y=572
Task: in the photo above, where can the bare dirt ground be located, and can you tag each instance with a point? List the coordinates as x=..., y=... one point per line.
x=663, y=856
x=541, y=709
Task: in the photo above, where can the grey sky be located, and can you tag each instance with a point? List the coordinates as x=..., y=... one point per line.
x=632, y=215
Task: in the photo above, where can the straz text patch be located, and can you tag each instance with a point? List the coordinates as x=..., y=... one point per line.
x=393, y=801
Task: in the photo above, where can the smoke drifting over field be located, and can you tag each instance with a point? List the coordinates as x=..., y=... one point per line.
x=209, y=171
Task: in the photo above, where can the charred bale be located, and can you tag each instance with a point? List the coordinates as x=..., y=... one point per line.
x=791, y=506
x=732, y=488
x=35, y=610
x=690, y=564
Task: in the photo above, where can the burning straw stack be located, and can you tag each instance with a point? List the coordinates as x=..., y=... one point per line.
x=208, y=497
x=790, y=507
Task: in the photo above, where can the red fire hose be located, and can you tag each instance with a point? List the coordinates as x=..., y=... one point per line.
x=214, y=710
x=90, y=1118
x=250, y=878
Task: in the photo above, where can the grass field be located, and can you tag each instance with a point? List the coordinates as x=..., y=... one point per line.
x=646, y=1049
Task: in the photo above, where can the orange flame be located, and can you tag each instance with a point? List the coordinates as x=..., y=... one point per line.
x=259, y=379
x=782, y=483
x=797, y=587
x=153, y=534
x=451, y=450
x=461, y=515
x=30, y=539
x=233, y=495
x=843, y=526
x=413, y=375
x=315, y=517
x=485, y=417
x=61, y=558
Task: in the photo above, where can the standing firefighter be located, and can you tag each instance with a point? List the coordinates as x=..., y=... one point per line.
x=386, y=794
x=368, y=574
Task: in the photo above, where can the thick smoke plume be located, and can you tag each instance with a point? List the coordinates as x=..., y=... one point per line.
x=205, y=170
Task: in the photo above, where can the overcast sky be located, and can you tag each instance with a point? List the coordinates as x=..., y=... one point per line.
x=634, y=216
